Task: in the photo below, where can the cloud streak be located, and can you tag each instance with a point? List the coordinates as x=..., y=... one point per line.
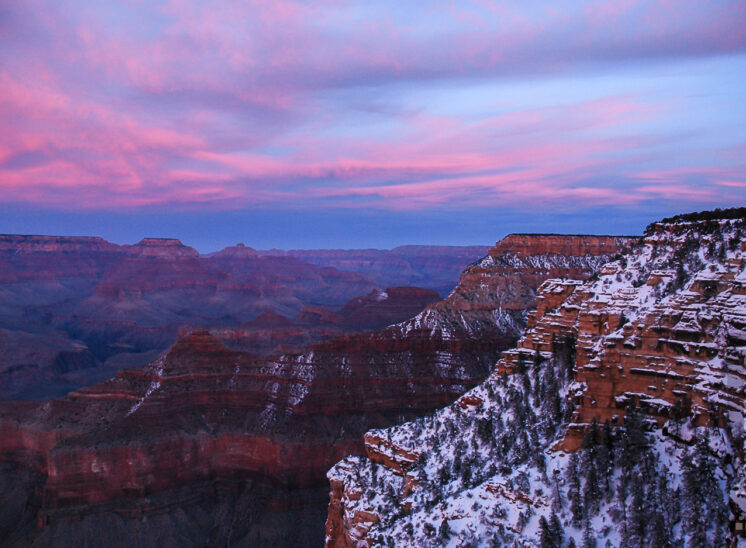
x=229, y=105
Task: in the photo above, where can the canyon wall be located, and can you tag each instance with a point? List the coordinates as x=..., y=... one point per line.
x=639, y=371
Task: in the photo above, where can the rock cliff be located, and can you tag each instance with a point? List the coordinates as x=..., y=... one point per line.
x=617, y=418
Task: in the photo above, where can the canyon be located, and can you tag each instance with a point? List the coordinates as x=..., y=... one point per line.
x=75, y=310
x=618, y=417
x=210, y=443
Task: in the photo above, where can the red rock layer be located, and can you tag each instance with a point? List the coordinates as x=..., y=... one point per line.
x=526, y=245
x=205, y=412
x=499, y=289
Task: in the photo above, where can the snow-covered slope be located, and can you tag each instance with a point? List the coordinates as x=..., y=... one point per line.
x=617, y=420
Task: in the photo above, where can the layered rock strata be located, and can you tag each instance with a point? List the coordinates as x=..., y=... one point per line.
x=652, y=347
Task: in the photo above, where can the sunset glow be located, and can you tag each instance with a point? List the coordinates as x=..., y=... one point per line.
x=147, y=112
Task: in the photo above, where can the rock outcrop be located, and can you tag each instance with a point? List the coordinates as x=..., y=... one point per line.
x=203, y=420
x=496, y=293
x=25, y=243
x=619, y=416
x=384, y=307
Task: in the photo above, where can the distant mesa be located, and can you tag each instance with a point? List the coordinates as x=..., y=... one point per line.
x=161, y=248
x=175, y=242
x=238, y=251
x=21, y=243
x=198, y=341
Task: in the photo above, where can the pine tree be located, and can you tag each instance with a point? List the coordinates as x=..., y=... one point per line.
x=605, y=461
x=634, y=441
x=589, y=537
x=551, y=406
x=485, y=429
x=668, y=500
x=557, y=502
x=704, y=506
x=444, y=532
x=573, y=490
x=547, y=537
x=660, y=534
x=621, y=503
x=545, y=534
x=558, y=531
x=466, y=473
x=695, y=526
x=591, y=494
x=636, y=516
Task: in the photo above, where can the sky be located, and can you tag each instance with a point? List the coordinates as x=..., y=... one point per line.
x=367, y=124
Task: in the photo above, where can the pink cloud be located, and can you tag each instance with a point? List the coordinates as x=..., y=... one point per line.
x=227, y=104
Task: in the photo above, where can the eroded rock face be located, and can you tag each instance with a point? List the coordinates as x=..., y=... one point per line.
x=569, y=245
x=660, y=328
x=163, y=248
x=660, y=331
x=496, y=292
x=171, y=435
